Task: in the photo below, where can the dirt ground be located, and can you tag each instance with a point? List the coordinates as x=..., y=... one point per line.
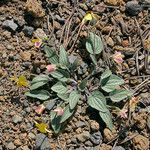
x=122, y=29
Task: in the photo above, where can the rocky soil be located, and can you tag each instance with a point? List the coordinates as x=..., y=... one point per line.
x=124, y=26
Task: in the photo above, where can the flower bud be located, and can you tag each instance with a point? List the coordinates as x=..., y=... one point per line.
x=59, y=111
x=39, y=110
x=118, y=57
x=51, y=68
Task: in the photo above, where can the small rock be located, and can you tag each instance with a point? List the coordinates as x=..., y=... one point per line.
x=39, y=33
x=28, y=109
x=133, y=8
x=88, y=143
x=10, y=145
x=140, y=120
x=148, y=122
x=94, y=125
x=10, y=25
x=110, y=41
x=96, y=138
x=16, y=119
x=109, y=135
x=17, y=142
x=60, y=19
x=83, y=136
x=80, y=124
x=140, y=142
x=35, y=9
x=50, y=104
x=118, y=148
x=28, y=31
x=31, y=136
x=42, y=142
x=26, y=55
x=10, y=47
x=105, y=147
x=25, y=147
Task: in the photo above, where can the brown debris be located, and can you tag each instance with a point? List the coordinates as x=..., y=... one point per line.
x=140, y=142
x=34, y=8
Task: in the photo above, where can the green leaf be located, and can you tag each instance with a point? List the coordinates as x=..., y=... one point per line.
x=107, y=73
x=51, y=54
x=63, y=57
x=39, y=81
x=67, y=114
x=64, y=96
x=61, y=75
x=111, y=83
x=73, y=99
x=59, y=88
x=55, y=122
x=82, y=85
x=94, y=44
x=39, y=94
x=97, y=101
x=74, y=65
x=107, y=118
x=93, y=59
x=118, y=95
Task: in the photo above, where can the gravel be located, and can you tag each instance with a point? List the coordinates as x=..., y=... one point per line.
x=10, y=24
x=17, y=119
x=42, y=142
x=28, y=31
x=118, y=148
x=133, y=8
x=10, y=146
x=96, y=138
x=85, y=135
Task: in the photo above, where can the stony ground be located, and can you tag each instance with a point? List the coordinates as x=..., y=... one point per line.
x=21, y=21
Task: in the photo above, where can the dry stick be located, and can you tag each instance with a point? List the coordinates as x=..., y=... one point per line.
x=128, y=138
x=115, y=144
x=72, y=35
x=80, y=28
x=142, y=43
x=67, y=34
x=145, y=82
x=66, y=25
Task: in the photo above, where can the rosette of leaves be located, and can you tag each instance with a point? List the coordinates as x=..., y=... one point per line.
x=67, y=88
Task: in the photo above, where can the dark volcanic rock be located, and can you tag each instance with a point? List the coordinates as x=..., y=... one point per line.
x=133, y=8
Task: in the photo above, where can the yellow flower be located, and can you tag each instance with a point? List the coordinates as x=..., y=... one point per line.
x=21, y=81
x=37, y=42
x=89, y=16
x=42, y=127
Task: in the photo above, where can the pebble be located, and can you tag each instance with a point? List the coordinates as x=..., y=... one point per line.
x=50, y=104
x=96, y=138
x=133, y=8
x=10, y=25
x=118, y=148
x=28, y=31
x=10, y=146
x=16, y=119
x=42, y=142
x=39, y=33
x=88, y=143
x=80, y=124
x=25, y=147
x=31, y=136
x=94, y=125
x=85, y=135
x=148, y=122
x=17, y=142
x=10, y=47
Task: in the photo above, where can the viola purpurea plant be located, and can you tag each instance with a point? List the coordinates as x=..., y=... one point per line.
x=63, y=84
